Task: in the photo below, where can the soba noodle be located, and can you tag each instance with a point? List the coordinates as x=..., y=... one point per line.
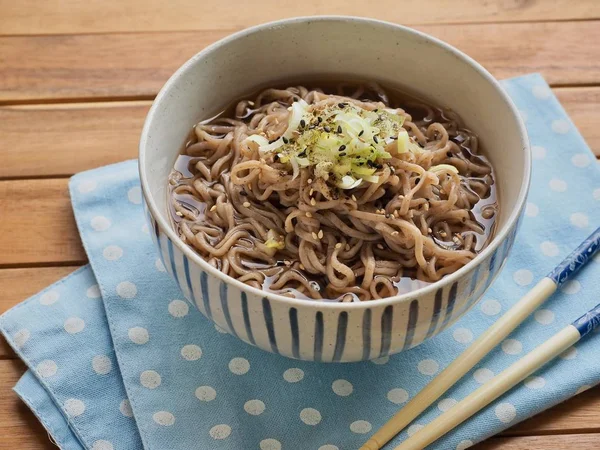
x=306, y=230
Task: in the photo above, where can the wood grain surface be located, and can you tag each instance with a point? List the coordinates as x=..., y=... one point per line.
x=37, y=225
x=560, y=442
x=99, y=16
x=135, y=65
x=77, y=78
x=78, y=136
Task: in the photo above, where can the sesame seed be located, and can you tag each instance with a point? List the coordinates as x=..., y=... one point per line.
x=213, y=207
x=287, y=263
x=395, y=233
x=347, y=247
x=361, y=133
x=327, y=129
x=314, y=235
x=339, y=129
x=320, y=234
x=302, y=123
x=443, y=233
x=285, y=140
x=309, y=180
x=179, y=213
x=308, y=214
x=319, y=119
x=353, y=197
x=426, y=206
x=341, y=105
x=301, y=267
x=250, y=102
x=246, y=204
x=342, y=148
x=311, y=191
x=429, y=230
x=380, y=247
x=313, y=201
x=375, y=139
x=338, y=245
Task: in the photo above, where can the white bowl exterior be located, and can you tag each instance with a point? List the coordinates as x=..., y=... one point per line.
x=359, y=48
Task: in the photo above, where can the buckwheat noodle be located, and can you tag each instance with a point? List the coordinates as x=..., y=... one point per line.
x=227, y=200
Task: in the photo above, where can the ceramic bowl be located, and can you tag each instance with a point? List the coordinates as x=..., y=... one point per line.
x=348, y=47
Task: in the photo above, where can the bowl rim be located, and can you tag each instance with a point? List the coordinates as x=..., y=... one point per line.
x=499, y=237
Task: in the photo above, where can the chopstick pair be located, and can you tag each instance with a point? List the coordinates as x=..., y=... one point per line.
x=505, y=380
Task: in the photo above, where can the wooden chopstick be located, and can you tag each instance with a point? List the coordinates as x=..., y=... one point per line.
x=486, y=342
x=504, y=381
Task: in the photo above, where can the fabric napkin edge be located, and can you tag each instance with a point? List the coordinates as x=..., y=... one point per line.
x=44, y=409
x=110, y=320
x=31, y=368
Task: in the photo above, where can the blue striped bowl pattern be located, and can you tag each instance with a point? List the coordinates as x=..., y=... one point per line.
x=334, y=332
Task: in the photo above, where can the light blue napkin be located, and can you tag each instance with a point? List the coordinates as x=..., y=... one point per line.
x=119, y=360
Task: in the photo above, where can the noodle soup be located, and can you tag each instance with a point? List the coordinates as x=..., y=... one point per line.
x=336, y=191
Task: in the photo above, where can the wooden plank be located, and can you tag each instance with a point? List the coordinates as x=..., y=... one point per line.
x=37, y=223
x=69, y=138
x=19, y=429
x=18, y=284
x=582, y=106
x=135, y=65
x=577, y=415
x=76, y=16
x=556, y=442
x=90, y=66
x=84, y=136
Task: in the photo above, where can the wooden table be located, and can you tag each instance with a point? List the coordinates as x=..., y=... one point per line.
x=77, y=78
